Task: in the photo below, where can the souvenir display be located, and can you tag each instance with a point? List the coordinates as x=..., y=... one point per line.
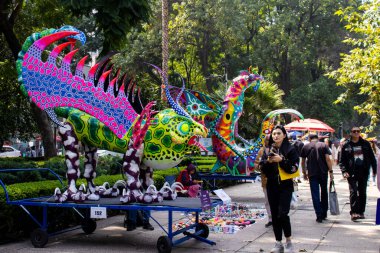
x=227, y=218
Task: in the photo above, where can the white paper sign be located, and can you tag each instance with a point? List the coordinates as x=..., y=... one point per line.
x=223, y=196
x=98, y=213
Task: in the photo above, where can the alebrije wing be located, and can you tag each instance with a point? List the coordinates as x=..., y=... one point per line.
x=51, y=86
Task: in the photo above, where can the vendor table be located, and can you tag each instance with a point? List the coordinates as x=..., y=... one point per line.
x=39, y=236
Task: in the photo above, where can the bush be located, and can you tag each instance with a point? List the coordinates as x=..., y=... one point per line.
x=109, y=165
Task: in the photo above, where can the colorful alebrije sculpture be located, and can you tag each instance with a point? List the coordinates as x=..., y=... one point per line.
x=98, y=113
x=223, y=122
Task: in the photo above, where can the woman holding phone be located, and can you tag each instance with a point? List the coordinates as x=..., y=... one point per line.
x=281, y=154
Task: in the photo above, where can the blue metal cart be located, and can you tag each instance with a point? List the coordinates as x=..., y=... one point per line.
x=39, y=237
x=211, y=178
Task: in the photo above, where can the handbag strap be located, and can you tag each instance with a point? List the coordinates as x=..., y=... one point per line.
x=332, y=186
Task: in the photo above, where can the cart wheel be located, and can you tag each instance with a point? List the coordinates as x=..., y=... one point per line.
x=164, y=244
x=39, y=238
x=205, y=229
x=88, y=226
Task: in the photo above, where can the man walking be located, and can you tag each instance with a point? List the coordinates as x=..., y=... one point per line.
x=356, y=159
x=318, y=166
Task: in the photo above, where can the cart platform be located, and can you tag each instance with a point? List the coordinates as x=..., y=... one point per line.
x=39, y=236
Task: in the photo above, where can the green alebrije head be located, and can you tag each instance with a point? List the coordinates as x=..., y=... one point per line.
x=166, y=120
x=148, y=135
x=153, y=148
x=166, y=141
x=179, y=147
x=158, y=133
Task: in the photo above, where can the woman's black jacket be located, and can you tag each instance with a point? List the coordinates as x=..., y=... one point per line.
x=289, y=163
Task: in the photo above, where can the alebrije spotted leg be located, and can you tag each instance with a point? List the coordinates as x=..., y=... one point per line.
x=146, y=176
x=70, y=142
x=133, y=158
x=90, y=161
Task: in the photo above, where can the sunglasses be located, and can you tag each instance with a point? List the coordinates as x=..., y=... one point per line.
x=355, y=131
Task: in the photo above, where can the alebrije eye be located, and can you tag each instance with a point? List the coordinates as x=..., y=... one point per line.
x=183, y=128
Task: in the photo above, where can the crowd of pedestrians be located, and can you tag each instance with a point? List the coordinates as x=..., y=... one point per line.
x=279, y=163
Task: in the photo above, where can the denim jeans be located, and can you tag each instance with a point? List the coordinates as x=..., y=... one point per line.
x=132, y=216
x=319, y=195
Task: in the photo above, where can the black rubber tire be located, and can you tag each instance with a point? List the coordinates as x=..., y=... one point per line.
x=88, y=226
x=205, y=229
x=164, y=244
x=39, y=238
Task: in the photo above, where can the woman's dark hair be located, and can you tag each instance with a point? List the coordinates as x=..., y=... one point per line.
x=329, y=142
x=191, y=167
x=283, y=130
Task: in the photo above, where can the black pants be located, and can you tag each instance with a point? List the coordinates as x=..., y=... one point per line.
x=279, y=198
x=358, y=194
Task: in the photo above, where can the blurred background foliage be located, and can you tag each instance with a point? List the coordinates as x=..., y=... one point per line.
x=294, y=45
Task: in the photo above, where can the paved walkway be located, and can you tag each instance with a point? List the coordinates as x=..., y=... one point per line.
x=337, y=234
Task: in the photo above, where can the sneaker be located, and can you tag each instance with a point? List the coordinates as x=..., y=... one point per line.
x=289, y=248
x=361, y=216
x=268, y=224
x=278, y=248
x=319, y=220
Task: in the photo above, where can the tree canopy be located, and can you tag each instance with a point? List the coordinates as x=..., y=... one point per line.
x=359, y=70
x=293, y=44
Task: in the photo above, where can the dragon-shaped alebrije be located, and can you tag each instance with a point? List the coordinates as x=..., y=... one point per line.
x=223, y=123
x=96, y=107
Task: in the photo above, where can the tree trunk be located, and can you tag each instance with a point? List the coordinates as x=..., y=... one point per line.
x=46, y=131
x=165, y=43
x=6, y=27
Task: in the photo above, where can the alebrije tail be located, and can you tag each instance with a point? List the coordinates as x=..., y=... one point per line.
x=268, y=124
x=28, y=42
x=50, y=85
x=176, y=107
x=36, y=36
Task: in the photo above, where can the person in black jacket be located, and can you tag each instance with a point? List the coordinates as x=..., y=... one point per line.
x=281, y=154
x=356, y=159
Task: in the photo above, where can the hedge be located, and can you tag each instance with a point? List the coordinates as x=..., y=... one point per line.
x=107, y=165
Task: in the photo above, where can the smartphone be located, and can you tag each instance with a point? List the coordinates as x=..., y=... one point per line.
x=271, y=154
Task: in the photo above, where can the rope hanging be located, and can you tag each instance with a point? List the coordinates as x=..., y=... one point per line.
x=165, y=46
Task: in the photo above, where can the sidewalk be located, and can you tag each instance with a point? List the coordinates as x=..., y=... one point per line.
x=336, y=234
